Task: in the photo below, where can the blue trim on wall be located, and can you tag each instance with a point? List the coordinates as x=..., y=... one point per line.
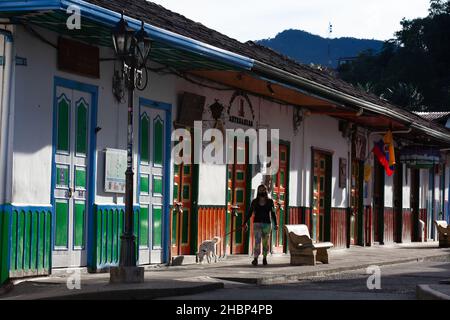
x=92, y=170
x=35, y=5
x=167, y=107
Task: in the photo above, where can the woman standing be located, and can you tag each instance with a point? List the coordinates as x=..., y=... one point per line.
x=264, y=210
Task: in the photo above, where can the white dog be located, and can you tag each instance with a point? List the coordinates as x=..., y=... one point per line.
x=208, y=249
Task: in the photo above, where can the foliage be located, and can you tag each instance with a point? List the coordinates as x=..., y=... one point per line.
x=413, y=69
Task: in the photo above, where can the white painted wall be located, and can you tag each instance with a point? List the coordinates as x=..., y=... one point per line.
x=323, y=133
x=406, y=187
x=424, y=188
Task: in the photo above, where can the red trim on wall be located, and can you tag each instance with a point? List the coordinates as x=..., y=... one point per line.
x=212, y=223
x=389, y=226
x=406, y=225
x=295, y=215
x=339, y=227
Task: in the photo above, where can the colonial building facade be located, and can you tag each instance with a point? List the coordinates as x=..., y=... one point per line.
x=64, y=127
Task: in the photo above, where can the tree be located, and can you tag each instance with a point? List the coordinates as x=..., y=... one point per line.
x=416, y=61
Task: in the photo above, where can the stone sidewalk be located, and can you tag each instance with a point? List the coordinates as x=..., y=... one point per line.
x=163, y=281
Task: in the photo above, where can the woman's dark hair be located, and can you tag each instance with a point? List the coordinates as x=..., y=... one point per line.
x=265, y=193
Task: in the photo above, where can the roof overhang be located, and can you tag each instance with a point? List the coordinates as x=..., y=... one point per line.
x=332, y=94
x=188, y=54
x=98, y=22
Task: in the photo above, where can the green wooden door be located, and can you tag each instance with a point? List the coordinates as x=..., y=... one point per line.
x=151, y=184
x=70, y=177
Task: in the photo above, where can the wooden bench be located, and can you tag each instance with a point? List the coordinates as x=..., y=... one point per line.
x=301, y=247
x=444, y=233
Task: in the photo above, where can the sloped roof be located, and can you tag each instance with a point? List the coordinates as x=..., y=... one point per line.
x=435, y=116
x=161, y=17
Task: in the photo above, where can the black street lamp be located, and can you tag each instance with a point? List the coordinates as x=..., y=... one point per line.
x=133, y=49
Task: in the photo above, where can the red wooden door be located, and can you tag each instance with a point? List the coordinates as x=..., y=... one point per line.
x=319, y=189
x=279, y=194
x=356, y=200
x=181, y=221
x=378, y=203
x=237, y=197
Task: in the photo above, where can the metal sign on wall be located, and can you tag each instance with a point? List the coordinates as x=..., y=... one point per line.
x=240, y=109
x=115, y=167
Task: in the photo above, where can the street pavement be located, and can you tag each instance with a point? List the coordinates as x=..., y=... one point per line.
x=397, y=282
x=403, y=267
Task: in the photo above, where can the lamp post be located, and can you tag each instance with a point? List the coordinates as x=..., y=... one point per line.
x=132, y=48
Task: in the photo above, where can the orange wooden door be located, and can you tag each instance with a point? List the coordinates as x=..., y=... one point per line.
x=356, y=200
x=279, y=194
x=319, y=196
x=181, y=221
x=237, y=197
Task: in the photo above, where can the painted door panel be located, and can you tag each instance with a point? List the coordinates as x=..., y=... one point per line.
x=237, y=196
x=279, y=194
x=356, y=200
x=181, y=221
x=319, y=189
x=71, y=179
x=378, y=202
x=151, y=191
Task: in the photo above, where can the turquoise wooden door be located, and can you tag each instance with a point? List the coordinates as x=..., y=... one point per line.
x=70, y=178
x=152, y=190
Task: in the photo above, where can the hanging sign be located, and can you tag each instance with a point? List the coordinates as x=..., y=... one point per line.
x=420, y=157
x=115, y=167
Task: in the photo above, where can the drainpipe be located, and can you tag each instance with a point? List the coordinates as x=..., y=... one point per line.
x=5, y=111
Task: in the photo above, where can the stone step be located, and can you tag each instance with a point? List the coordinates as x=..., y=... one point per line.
x=183, y=260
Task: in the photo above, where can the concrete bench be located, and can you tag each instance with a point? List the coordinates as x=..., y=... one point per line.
x=301, y=247
x=444, y=233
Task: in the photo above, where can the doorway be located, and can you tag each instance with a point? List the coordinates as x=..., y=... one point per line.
x=279, y=196
x=357, y=202
x=378, y=203
x=415, y=203
x=153, y=180
x=72, y=177
x=321, y=195
x=182, y=222
x=398, y=203
x=238, y=197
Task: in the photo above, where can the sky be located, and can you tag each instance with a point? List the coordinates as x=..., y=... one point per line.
x=259, y=19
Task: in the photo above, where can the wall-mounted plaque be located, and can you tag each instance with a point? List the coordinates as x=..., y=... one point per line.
x=359, y=146
x=79, y=58
x=115, y=167
x=342, y=173
x=240, y=109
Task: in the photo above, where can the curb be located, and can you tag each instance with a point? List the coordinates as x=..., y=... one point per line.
x=6, y=288
x=138, y=294
x=425, y=292
x=289, y=278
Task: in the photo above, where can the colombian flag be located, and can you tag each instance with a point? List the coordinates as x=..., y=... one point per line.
x=384, y=151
